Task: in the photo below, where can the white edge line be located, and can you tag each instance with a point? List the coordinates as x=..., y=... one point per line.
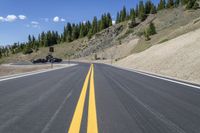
x=162, y=78
x=33, y=73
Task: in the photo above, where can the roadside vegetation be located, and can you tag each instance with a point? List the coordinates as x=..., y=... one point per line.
x=151, y=30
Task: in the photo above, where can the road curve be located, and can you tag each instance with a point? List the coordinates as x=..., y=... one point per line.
x=100, y=98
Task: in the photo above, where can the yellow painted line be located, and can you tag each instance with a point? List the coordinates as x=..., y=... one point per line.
x=92, y=126
x=77, y=117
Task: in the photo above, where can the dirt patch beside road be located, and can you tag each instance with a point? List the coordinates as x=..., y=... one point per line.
x=8, y=69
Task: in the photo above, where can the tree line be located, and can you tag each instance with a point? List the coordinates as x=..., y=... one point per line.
x=190, y=4
x=142, y=10
x=70, y=33
x=74, y=31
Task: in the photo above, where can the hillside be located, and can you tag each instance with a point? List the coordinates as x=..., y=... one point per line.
x=173, y=51
x=179, y=57
x=169, y=24
x=166, y=21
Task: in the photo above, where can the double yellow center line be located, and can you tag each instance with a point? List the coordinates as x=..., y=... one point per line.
x=92, y=126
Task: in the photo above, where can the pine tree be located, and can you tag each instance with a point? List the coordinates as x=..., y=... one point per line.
x=42, y=42
x=48, y=39
x=90, y=34
x=123, y=14
x=148, y=6
x=0, y=52
x=29, y=39
x=170, y=4
x=28, y=48
x=33, y=42
x=58, y=38
x=103, y=22
x=132, y=23
x=177, y=3
x=153, y=9
x=192, y=4
x=94, y=26
x=39, y=40
x=108, y=20
x=82, y=30
x=87, y=27
x=137, y=11
x=162, y=4
x=68, y=33
x=75, y=32
x=132, y=18
x=152, y=29
x=118, y=18
x=64, y=36
x=6, y=51
x=99, y=25
x=142, y=15
x=132, y=13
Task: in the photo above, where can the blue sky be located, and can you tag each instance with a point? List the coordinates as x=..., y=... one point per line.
x=18, y=18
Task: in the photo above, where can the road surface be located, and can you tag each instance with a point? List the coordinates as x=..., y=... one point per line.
x=97, y=98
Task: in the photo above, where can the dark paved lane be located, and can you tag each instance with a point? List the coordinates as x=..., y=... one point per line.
x=42, y=102
x=126, y=102
x=130, y=102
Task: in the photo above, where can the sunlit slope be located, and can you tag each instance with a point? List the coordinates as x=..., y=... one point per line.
x=179, y=57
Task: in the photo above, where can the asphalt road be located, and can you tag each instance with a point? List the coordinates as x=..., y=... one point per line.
x=97, y=98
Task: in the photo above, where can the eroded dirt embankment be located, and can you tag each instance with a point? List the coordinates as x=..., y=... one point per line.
x=179, y=58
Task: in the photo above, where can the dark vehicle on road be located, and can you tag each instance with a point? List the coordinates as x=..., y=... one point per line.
x=39, y=61
x=56, y=60
x=49, y=58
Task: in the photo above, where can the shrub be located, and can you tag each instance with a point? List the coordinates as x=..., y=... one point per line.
x=152, y=29
x=192, y=4
x=146, y=34
x=27, y=50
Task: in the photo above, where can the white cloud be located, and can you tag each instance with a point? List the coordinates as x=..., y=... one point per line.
x=34, y=23
x=113, y=22
x=56, y=19
x=2, y=19
x=62, y=20
x=22, y=17
x=10, y=18
x=84, y=22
